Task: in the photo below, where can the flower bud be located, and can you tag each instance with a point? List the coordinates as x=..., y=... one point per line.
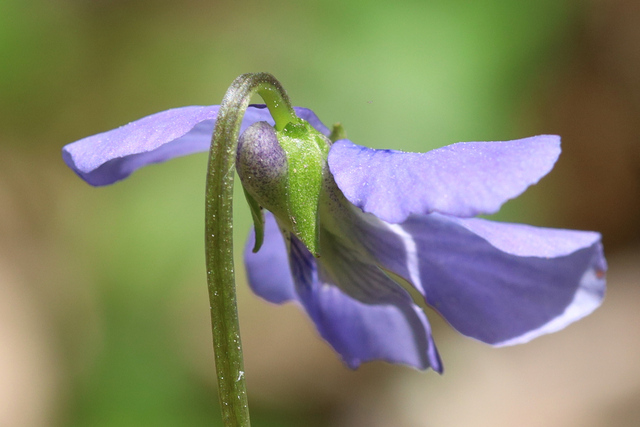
x=283, y=171
x=262, y=166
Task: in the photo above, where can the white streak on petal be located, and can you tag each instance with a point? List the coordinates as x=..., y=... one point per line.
x=585, y=301
x=413, y=264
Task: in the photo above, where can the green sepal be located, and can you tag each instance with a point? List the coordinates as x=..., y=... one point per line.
x=258, y=220
x=307, y=152
x=337, y=132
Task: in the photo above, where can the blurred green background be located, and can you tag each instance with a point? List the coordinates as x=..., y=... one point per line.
x=103, y=306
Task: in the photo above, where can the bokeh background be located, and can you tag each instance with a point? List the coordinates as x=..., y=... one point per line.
x=103, y=305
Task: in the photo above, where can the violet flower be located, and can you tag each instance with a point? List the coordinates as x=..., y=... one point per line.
x=387, y=221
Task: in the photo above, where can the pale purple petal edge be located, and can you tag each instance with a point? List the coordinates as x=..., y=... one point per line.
x=498, y=290
x=111, y=156
x=463, y=179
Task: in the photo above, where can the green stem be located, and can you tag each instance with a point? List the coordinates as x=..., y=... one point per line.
x=219, y=235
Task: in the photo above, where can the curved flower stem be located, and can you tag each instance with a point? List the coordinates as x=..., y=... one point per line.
x=219, y=235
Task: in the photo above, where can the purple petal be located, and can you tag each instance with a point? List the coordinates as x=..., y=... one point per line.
x=464, y=179
x=395, y=331
x=310, y=116
x=268, y=270
x=108, y=157
x=503, y=284
x=346, y=263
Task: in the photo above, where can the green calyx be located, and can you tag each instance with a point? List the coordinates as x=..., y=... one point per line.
x=307, y=151
x=283, y=171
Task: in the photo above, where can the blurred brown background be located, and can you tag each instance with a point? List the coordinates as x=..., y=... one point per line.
x=103, y=307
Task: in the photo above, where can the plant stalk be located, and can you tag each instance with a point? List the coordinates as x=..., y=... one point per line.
x=219, y=235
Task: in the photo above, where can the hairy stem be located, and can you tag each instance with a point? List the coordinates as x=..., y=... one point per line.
x=219, y=235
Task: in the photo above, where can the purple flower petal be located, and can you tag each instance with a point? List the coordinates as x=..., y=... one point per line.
x=464, y=179
x=108, y=157
x=392, y=329
x=268, y=269
x=395, y=331
x=347, y=263
x=503, y=284
x=310, y=116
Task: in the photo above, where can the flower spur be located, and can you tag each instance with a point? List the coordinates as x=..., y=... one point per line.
x=387, y=220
